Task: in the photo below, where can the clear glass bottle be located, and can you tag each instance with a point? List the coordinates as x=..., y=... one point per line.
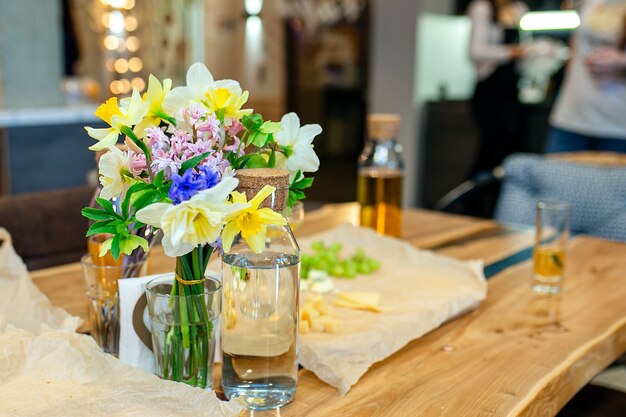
x=380, y=176
x=260, y=306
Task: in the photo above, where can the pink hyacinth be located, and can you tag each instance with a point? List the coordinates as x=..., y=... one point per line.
x=136, y=162
x=180, y=142
x=235, y=147
x=210, y=125
x=164, y=162
x=194, y=113
x=156, y=138
x=235, y=128
x=217, y=162
x=201, y=146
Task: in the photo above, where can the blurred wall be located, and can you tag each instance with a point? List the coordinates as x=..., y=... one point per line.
x=30, y=53
x=393, y=73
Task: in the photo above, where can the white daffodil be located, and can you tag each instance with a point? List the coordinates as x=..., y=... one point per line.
x=112, y=166
x=297, y=143
x=194, y=222
x=117, y=117
x=199, y=82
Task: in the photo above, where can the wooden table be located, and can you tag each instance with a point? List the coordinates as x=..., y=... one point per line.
x=518, y=354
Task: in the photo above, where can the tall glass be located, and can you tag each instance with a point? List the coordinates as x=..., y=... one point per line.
x=192, y=364
x=552, y=231
x=102, y=292
x=260, y=317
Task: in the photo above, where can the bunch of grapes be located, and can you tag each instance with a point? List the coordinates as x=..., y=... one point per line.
x=327, y=259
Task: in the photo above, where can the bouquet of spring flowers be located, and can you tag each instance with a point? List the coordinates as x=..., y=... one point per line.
x=178, y=172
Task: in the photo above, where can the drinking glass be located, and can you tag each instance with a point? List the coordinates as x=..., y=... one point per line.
x=103, y=310
x=188, y=358
x=552, y=226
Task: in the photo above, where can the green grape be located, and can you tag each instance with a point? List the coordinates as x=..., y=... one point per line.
x=364, y=268
x=338, y=270
x=317, y=245
x=374, y=264
x=327, y=258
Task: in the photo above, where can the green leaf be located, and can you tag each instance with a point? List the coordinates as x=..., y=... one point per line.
x=121, y=229
x=128, y=132
x=291, y=199
x=191, y=163
x=102, y=227
x=158, y=179
x=241, y=162
x=95, y=214
x=115, y=247
x=288, y=151
x=106, y=205
x=106, y=246
x=252, y=122
x=271, y=127
x=295, y=189
x=147, y=198
x=258, y=139
x=271, y=162
x=304, y=183
x=298, y=194
x=256, y=161
x=131, y=242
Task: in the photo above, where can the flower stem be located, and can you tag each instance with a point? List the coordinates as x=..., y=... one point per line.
x=186, y=350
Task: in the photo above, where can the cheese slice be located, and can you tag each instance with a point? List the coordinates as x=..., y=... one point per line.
x=361, y=297
x=357, y=306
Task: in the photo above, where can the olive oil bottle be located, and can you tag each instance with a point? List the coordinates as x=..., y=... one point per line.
x=381, y=175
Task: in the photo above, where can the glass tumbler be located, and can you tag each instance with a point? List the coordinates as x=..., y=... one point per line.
x=552, y=227
x=103, y=310
x=184, y=330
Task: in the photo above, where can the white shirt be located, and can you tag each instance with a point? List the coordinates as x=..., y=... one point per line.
x=487, y=50
x=586, y=105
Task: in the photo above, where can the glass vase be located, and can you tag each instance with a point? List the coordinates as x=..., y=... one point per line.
x=183, y=315
x=260, y=314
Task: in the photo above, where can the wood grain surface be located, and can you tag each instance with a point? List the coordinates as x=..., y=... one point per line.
x=518, y=354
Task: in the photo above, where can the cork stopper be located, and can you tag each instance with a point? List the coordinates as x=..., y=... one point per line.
x=383, y=126
x=251, y=180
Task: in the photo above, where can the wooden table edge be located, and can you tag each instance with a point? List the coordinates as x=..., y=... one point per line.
x=591, y=351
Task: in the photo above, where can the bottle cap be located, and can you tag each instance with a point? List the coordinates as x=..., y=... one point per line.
x=383, y=126
x=251, y=180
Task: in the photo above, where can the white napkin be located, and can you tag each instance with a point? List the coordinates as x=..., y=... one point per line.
x=135, y=339
x=21, y=303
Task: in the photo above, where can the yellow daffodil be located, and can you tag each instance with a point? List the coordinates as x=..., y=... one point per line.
x=251, y=222
x=117, y=117
x=194, y=222
x=112, y=166
x=227, y=103
x=202, y=88
x=154, y=95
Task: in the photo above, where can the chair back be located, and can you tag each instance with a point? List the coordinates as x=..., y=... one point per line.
x=47, y=227
x=596, y=191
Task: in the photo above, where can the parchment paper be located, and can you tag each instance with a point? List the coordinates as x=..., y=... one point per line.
x=48, y=370
x=21, y=303
x=419, y=291
x=66, y=374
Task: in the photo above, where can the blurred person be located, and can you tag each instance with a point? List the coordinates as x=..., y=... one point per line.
x=494, y=50
x=590, y=113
